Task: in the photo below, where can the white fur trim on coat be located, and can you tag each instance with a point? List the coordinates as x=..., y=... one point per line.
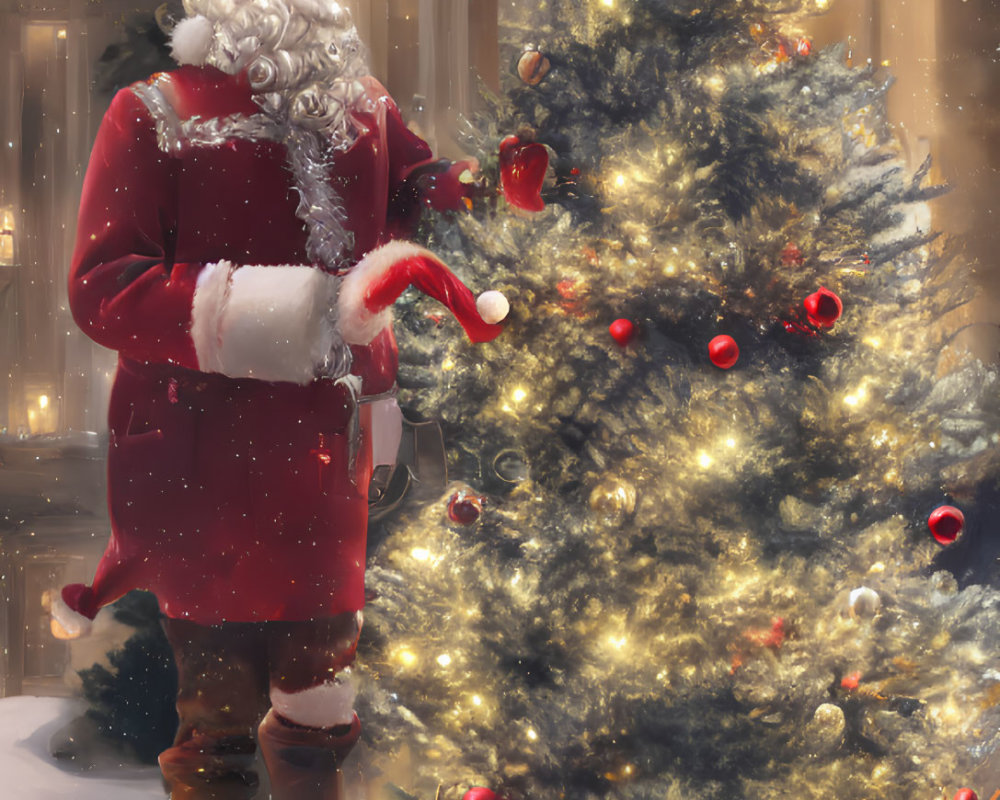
x=73, y=623
x=387, y=430
x=357, y=324
x=324, y=706
x=191, y=40
x=269, y=323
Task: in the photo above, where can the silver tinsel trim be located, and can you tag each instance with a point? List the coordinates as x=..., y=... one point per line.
x=216, y=132
x=175, y=137
x=320, y=207
x=169, y=136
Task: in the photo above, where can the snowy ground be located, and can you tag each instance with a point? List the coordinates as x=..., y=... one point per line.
x=29, y=772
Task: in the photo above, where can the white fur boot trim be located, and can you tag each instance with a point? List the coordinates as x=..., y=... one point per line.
x=324, y=706
x=73, y=624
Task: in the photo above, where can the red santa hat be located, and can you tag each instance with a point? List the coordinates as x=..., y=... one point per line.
x=74, y=609
x=370, y=288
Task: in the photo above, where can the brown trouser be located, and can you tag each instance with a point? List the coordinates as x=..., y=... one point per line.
x=225, y=675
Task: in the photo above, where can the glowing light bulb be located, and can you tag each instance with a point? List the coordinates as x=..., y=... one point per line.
x=532, y=734
x=716, y=84
x=407, y=658
x=856, y=399
x=620, y=181
x=43, y=401
x=421, y=554
x=730, y=442
x=519, y=395
x=444, y=660
x=477, y=700
x=704, y=460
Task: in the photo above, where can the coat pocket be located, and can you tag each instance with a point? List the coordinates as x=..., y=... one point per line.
x=150, y=481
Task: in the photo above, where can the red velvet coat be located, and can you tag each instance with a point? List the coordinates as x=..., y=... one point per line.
x=231, y=498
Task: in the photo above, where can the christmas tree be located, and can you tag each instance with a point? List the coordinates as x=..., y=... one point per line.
x=132, y=704
x=656, y=577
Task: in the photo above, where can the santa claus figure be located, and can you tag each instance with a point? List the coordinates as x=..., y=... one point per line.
x=241, y=239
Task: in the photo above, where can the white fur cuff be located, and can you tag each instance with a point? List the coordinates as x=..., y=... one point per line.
x=324, y=706
x=269, y=323
x=73, y=624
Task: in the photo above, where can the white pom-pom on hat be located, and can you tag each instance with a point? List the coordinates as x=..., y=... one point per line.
x=492, y=306
x=368, y=291
x=69, y=624
x=191, y=41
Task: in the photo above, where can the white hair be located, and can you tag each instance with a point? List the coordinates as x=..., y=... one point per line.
x=303, y=58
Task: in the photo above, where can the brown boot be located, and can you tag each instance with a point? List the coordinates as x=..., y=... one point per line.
x=221, y=696
x=195, y=771
x=304, y=763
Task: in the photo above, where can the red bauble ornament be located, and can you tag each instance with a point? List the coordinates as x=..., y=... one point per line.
x=798, y=327
x=791, y=256
x=479, y=793
x=622, y=331
x=946, y=523
x=823, y=308
x=723, y=351
x=966, y=794
x=464, y=508
x=851, y=681
x=523, y=166
x=803, y=47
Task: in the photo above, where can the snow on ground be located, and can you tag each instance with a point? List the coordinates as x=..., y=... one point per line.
x=29, y=772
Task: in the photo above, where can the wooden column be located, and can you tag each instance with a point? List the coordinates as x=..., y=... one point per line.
x=431, y=55
x=457, y=42
x=900, y=36
x=371, y=19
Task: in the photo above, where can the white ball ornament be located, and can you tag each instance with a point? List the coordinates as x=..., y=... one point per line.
x=492, y=306
x=863, y=603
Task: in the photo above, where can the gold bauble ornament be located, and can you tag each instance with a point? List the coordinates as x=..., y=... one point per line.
x=532, y=67
x=613, y=500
